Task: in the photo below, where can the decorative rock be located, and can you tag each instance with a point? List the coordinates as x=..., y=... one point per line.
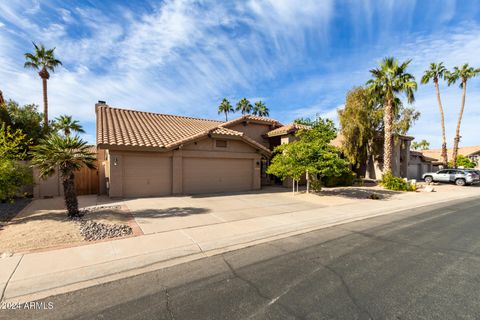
x=6, y=255
x=91, y=230
x=429, y=188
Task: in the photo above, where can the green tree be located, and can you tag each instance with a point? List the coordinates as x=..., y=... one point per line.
x=361, y=125
x=26, y=118
x=463, y=73
x=260, y=109
x=2, y=100
x=43, y=60
x=225, y=107
x=13, y=174
x=311, y=153
x=389, y=80
x=67, y=155
x=66, y=124
x=435, y=72
x=421, y=145
x=244, y=106
x=464, y=162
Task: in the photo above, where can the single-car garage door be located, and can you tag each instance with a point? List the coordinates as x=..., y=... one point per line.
x=208, y=175
x=147, y=176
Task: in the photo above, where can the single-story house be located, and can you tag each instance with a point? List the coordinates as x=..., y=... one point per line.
x=150, y=154
x=473, y=153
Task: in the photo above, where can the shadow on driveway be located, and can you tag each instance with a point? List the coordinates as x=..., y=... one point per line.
x=357, y=192
x=169, y=212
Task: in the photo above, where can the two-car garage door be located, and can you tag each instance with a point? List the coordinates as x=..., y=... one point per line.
x=151, y=175
x=208, y=175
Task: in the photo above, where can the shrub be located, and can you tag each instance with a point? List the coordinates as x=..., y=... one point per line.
x=346, y=179
x=316, y=185
x=390, y=182
x=13, y=176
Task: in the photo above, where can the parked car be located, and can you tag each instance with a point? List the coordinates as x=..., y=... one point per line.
x=460, y=177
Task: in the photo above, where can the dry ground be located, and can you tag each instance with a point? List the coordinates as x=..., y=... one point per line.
x=39, y=228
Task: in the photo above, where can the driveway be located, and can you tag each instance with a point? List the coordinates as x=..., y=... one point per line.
x=162, y=214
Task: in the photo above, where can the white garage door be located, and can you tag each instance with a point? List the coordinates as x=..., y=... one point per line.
x=208, y=175
x=147, y=176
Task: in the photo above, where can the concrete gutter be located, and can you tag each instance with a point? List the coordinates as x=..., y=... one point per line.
x=34, y=276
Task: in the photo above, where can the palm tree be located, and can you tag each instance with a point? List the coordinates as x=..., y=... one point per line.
x=67, y=155
x=44, y=60
x=244, y=106
x=225, y=107
x=260, y=109
x=462, y=73
x=2, y=100
x=67, y=125
x=435, y=72
x=390, y=79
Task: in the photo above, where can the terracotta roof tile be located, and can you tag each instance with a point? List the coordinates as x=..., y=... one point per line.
x=286, y=129
x=437, y=153
x=122, y=128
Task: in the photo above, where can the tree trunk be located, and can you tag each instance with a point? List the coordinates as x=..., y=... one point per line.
x=226, y=117
x=45, y=102
x=444, y=137
x=387, y=143
x=70, y=195
x=456, y=141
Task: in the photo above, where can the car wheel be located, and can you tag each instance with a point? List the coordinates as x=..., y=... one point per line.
x=460, y=182
x=428, y=179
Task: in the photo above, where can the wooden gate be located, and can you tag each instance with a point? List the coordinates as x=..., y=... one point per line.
x=86, y=181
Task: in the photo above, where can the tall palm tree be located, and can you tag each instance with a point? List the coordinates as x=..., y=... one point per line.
x=260, y=109
x=225, y=107
x=244, y=106
x=390, y=79
x=67, y=125
x=67, y=155
x=44, y=60
x=438, y=71
x=462, y=73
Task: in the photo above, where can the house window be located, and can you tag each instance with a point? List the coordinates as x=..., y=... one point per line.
x=221, y=143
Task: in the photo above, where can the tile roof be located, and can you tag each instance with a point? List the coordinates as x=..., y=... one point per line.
x=437, y=153
x=286, y=129
x=130, y=128
x=251, y=117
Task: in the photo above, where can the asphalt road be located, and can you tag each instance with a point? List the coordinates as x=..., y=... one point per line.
x=421, y=264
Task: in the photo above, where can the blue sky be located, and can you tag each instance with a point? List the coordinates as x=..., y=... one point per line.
x=183, y=57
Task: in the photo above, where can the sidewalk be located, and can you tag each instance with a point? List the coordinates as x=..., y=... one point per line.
x=37, y=275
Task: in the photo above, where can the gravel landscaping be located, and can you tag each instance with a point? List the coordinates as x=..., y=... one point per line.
x=45, y=224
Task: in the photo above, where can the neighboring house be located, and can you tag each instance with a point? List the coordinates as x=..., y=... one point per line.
x=472, y=152
x=406, y=163
x=150, y=154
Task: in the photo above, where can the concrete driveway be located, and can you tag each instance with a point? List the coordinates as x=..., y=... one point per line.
x=171, y=213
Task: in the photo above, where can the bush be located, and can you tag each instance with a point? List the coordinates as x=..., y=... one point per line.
x=346, y=179
x=390, y=182
x=13, y=176
x=316, y=185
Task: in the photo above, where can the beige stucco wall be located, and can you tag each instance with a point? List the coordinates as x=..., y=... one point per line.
x=183, y=170
x=255, y=131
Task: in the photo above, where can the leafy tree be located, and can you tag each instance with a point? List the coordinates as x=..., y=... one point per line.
x=435, y=72
x=464, y=162
x=67, y=125
x=260, y=109
x=26, y=118
x=43, y=60
x=389, y=80
x=67, y=155
x=311, y=153
x=225, y=107
x=463, y=73
x=422, y=145
x=13, y=174
x=244, y=106
x=361, y=124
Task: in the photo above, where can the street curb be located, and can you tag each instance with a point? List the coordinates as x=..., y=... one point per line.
x=203, y=254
